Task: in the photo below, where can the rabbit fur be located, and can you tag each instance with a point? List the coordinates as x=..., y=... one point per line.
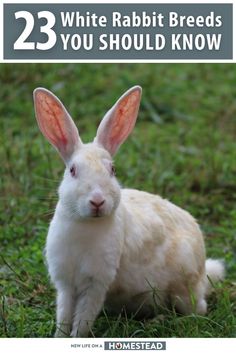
x=112, y=246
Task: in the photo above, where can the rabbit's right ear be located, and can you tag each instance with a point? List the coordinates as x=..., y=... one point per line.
x=55, y=123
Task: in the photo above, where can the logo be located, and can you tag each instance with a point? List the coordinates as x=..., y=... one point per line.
x=135, y=345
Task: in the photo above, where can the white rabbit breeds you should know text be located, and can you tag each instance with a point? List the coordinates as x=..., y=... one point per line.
x=111, y=246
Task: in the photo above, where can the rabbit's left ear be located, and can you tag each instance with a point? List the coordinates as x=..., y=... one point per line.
x=119, y=121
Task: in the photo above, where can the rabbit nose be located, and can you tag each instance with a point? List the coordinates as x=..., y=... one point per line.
x=96, y=203
x=97, y=199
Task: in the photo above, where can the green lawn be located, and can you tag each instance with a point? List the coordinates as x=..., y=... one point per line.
x=183, y=148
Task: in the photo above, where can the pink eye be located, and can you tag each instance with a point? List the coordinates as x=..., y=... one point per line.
x=73, y=170
x=109, y=167
x=113, y=170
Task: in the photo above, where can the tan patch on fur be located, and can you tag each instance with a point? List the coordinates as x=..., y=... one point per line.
x=93, y=156
x=171, y=254
x=149, y=251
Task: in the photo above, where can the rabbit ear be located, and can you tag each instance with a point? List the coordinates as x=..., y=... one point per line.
x=55, y=123
x=119, y=121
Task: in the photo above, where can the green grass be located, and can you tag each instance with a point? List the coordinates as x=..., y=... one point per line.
x=183, y=148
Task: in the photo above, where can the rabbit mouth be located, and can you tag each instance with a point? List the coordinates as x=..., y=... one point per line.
x=97, y=213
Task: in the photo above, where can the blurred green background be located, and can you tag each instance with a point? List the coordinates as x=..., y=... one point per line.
x=183, y=148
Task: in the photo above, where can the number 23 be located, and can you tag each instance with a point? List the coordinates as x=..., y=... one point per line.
x=22, y=44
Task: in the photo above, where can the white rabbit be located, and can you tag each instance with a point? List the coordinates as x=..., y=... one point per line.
x=113, y=246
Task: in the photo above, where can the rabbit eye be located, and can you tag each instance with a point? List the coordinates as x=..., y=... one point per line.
x=109, y=167
x=73, y=170
x=113, y=170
